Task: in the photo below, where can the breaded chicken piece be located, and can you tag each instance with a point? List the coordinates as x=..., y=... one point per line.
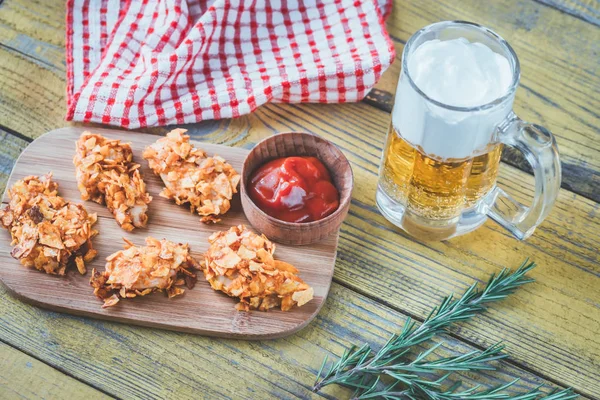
x=107, y=175
x=206, y=183
x=48, y=233
x=240, y=263
x=140, y=270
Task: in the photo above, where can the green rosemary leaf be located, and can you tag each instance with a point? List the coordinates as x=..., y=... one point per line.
x=565, y=394
x=361, y=368
x=474, y=393
x=322, y=366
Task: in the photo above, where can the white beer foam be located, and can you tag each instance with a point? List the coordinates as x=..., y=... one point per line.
x=457, y=73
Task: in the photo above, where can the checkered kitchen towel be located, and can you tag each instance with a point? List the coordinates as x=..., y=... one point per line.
x=136, y=63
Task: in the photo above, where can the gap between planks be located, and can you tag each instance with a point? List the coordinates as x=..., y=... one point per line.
x=594, y=20
x=383, y=303
x=382, y=100
x=57, y=368
x=465, y=340
x=544, y=2
x=15, y=133
x=360, y=292
x=26, y=55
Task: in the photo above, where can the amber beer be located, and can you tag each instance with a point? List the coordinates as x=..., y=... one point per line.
x=451, y=117
x=433, y=188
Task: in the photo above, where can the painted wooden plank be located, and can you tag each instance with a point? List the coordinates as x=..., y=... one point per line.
x=557, y=91
x=10, y=148
x=569, y=243
x=24, y=377
x=375, y=259
x=44, y=20
x=588, y=10
x=32, y=98
x=133, y=362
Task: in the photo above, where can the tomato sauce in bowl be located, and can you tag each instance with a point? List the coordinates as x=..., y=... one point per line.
x=294, y=189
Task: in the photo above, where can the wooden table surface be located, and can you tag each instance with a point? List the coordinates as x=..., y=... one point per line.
x=551, y=328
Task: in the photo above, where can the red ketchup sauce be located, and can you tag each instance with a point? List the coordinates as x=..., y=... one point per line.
x=294, y=189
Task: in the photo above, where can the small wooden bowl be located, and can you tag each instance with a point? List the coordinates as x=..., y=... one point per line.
x=298, y=144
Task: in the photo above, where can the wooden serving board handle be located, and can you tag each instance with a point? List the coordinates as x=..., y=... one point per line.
x=200, y=310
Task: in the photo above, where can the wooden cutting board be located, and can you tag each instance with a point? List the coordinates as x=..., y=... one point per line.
x=200, y=310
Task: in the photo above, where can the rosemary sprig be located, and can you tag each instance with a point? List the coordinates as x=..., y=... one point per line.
x=407, y=373
x=432, y=391
x=361, y=368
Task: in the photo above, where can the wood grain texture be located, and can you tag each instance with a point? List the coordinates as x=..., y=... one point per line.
x=289, y=144
x=588, y=10
x=558, y=54
x=551, y=328
x=374, y=259
x=378, y=260
x=200, y=310
x=140, y=363
x=24, y=377
x=10, y=148
x=547, y=328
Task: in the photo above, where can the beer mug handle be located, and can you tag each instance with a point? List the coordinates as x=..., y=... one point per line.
x=539, y=148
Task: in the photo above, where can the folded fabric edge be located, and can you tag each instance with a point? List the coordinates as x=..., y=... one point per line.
x=387, y=58
x=72, y=96
x=244, y=106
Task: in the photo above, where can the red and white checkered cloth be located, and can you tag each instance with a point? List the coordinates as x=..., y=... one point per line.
x=136, y=63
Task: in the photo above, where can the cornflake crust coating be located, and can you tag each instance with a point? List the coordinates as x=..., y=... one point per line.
x=206, y=183
x=240, y=263
x=140, y=270
x=107, y=175
x=48, y=233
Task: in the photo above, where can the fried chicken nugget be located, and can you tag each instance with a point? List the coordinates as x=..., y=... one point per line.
x=240, y=263
x=47, y=232
x=207, y=183
x=140, y=270
x=106, y=174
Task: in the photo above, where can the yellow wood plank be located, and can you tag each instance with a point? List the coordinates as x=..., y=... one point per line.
x=133, y=362
x=560, y=312
x=32, y=96
x=41, y=19
x=10, y=148
x=551, y=326
x=566, y=244
x=24, y=377
x=588, y=10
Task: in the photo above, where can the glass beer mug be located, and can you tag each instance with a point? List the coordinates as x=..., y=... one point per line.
x=452, y=115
